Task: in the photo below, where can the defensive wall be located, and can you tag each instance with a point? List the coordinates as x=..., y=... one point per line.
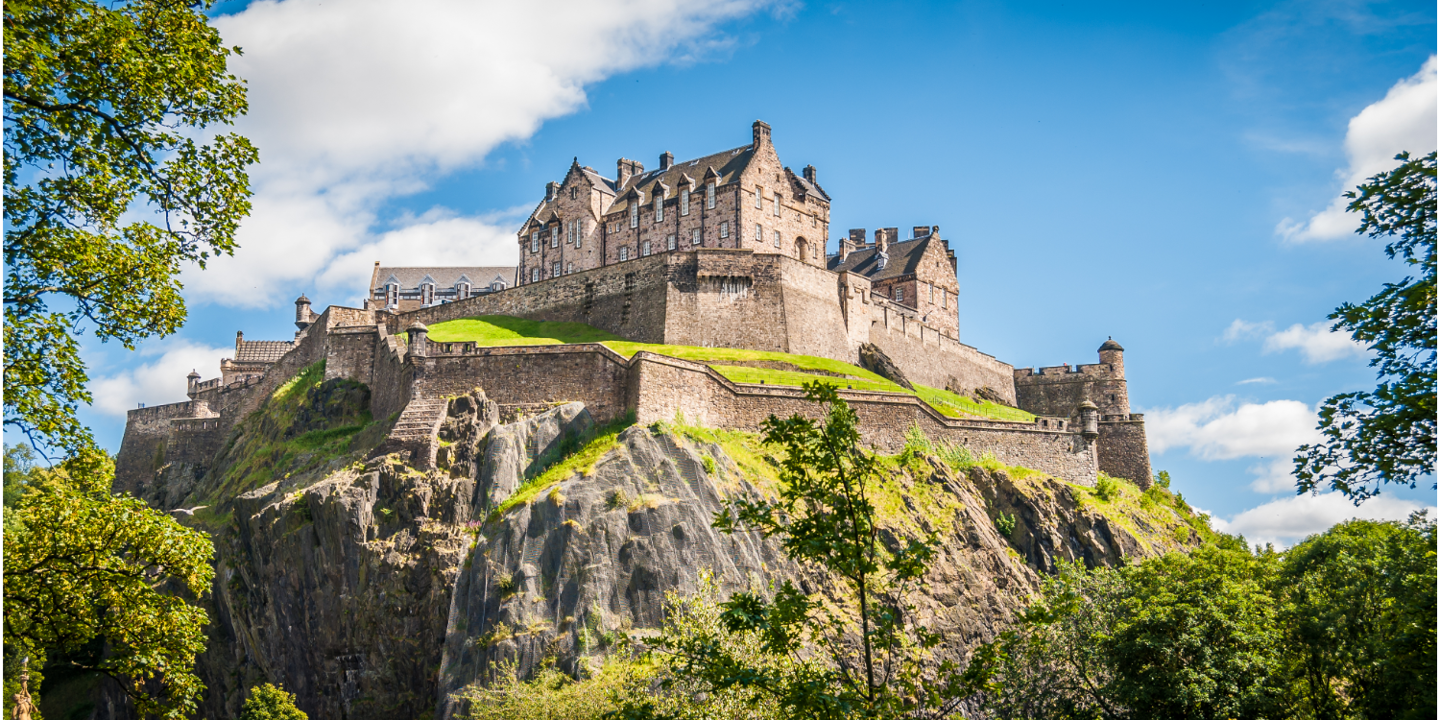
x=740, y=299
x=654, y=387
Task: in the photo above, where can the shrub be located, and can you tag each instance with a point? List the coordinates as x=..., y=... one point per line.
x=1005, y=524
x=267, y=702
x=1162, y=479
x=1107, y=488
x=709, y=463
x=507, y=585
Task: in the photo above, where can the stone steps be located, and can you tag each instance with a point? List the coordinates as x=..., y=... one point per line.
x=416, y=430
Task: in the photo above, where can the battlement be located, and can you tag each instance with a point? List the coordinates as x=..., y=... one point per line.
x=1064, y=372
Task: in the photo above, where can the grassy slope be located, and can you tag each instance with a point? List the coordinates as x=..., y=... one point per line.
x=499, y=330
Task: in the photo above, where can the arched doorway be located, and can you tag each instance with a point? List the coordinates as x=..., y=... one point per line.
x=802, y=250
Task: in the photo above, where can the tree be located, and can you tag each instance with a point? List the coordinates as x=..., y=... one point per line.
x=1386, y=435
x=267, y=702
x=84, y=566
x=102, y=106
x=1178, y=636
x=862, y=653
x=1359, y=620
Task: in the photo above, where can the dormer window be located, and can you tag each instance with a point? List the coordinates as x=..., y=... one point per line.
x=462, y=290
x=685, y=202
x=659, y=207
x=427, y=293
x=710, y=196
x=635, y=213
x=392, y=294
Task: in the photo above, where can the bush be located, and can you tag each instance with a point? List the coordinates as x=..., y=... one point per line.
x=1005, y=524
x=1162, y=479
x=267, y=702
x=1107, y=488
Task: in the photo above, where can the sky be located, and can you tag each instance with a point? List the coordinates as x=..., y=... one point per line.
x=1167, y=174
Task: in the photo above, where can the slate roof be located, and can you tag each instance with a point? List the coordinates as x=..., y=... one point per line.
x=266, y=351
x=444, y=277
x=727, y=164
x=904, y=260
x=810, y=188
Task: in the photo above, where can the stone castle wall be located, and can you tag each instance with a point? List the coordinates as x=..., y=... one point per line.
x=1059, y=390
x=1123, y=450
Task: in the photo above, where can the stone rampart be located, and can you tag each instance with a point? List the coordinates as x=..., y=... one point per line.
x=1123, y=450
x=525, y=376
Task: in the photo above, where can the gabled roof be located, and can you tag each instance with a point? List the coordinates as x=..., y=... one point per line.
x=727, y=165
x=262, y=350
x=904, y=259
x=809, y=187
x=411, y=277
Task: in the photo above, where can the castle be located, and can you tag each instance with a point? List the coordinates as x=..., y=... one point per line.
x=727, y=250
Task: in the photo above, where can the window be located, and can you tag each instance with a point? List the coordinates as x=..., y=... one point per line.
x=724, y=229
x=635, y=213
x=814, y=221
x=624, y=253
x=899, y=294
x=535, y=275
x=645, y=249
x=392, y=295
x=710, y=195
x=777, y=204
x=759, y=233
x=777, y=238
x=535, y=241
x=695, y=236
x=555, y=236
x=684, y=202
x=659, y=207
x=555, y=269
x=570, y=232
x=572, y=193
x=577, y=234
x=670, y=242
x=569, y=268
x=944, y=298
x=757, y=198
x=462, y=290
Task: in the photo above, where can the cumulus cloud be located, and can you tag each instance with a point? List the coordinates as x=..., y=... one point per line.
x=1316, y=342
x=1289, y=520
x=158, y=381
x=1222, y=429
x=354, y=103
x=1404, y=120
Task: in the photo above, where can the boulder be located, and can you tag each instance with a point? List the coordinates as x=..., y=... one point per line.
x=875, y=360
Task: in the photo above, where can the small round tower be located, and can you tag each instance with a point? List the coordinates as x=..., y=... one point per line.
x=303, y=317
x=418, y=333
x=192, y=382
x=1113, y=355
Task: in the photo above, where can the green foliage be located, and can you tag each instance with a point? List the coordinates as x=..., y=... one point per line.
x=577, y=460
x=552, y=693
x=1162, y=480
x=863, y=653
x=1386, y=435
x=1005, y=524
x=103, y=107
x=19, y=470
x=267, y=702
x=1106, y=488
x=85, y=566
x=1340, y=626
x=1359, y=620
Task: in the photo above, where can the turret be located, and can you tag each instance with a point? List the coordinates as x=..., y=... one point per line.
x=1113, y=355
x=192, y=384
x=303, y=317
x=419, y=344
x=1089, y=419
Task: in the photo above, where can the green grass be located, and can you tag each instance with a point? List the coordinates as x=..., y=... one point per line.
x=495, y=330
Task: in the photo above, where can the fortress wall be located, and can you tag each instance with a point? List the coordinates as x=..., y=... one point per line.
x=814, y=323
x=666, y=386
x=350, y=353
x=588, y=373
x=725, y=298
x=1058, y=390
x=143, y=448
x=1124, y=451
x=627, y=299
x=390, y=378
x=930, y=358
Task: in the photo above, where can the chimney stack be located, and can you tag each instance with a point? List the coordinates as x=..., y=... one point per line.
x=882, y=240
x=810, y=174
x=552, y=190
x=623, y=170
x=857, y=238
x=760, y=134
x=239, y=338
x=666, y=160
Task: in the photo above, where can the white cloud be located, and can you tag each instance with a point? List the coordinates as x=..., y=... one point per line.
x=159, y=381
x=1316, y=342
x=1289, y=520
x=354, y=103
x=1257, y=381
x=1273, y=476
x=1405, y=119
x=1219, y=429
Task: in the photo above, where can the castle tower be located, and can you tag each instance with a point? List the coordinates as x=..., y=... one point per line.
x=192, y=382
x=1112, y=394
x=1113, y=355
x=303, y=317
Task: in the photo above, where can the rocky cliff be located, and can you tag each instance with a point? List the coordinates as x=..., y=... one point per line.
x=375, y=585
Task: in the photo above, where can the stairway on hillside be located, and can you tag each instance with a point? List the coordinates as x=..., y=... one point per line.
x=416, y=430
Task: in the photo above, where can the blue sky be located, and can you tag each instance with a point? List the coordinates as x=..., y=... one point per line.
x=1163, y=173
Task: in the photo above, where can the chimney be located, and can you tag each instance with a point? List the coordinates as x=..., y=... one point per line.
x=666, y=160
x=882, y=240
x=857, y=238
x=920, y=231
x=760, y=132
x=810, y=174
x=892, y=235
x=552, y=190
x=844, y=248
x=623, y=170
x=239, y=338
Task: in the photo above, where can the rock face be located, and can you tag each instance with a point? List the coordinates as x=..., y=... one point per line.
x=875, y=360
x=373, y=589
